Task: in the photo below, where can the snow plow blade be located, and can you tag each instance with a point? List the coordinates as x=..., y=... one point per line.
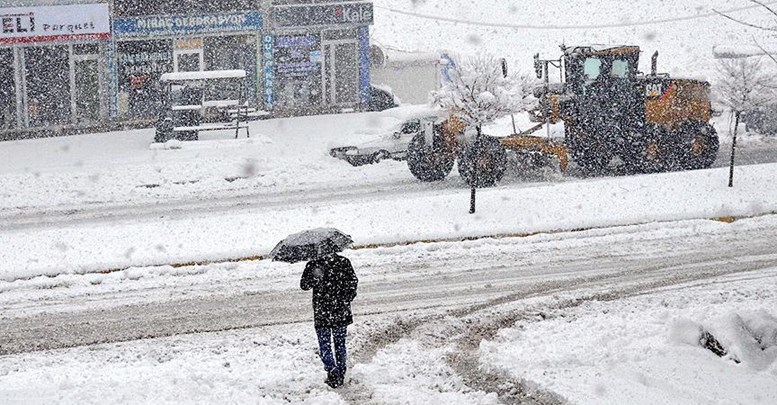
x=527, y=143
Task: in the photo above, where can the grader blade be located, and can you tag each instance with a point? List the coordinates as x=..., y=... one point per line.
x=528, y=143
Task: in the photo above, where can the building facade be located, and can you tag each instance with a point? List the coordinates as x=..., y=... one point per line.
x=54, y=67
x=71, y=65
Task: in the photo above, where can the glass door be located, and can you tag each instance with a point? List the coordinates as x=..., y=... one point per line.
x=47, y=77
x=87, y=90
x=7, y=90
x=346, y=73
x=341, y=72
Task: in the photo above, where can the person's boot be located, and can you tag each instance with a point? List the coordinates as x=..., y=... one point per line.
x=340, y=378
x=332, y=378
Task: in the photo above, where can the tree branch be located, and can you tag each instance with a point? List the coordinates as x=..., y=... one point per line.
x=764, y=5
x=745, y=22
x=764, y=50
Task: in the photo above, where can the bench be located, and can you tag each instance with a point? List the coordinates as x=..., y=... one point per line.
x=247, y=113
x=237, y=116
x=190, y=99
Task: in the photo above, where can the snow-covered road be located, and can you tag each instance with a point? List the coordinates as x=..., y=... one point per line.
x=71, y=310
x=426, y=306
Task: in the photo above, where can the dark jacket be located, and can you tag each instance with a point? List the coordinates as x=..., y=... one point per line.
x=334, y=287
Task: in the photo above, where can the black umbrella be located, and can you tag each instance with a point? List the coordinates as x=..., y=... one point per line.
x=310, y=244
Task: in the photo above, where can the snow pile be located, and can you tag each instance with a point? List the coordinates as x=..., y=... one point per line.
x=749, y=338
x=615, y=352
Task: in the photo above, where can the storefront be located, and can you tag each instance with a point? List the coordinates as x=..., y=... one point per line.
x=54, y=73
x=316, y=58
x=72, y=64
x=148, y=46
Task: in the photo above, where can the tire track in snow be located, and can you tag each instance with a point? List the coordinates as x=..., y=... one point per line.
x=477, y=327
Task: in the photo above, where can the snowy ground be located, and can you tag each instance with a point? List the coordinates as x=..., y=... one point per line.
x=584, y=291
x=419, y=324
x=607, y=316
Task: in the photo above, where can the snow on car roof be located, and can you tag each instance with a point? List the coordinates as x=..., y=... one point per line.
x=413, y=112
x=210, y=74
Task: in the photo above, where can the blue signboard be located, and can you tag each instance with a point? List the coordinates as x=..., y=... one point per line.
x=364, y=65
x=268, y=64
x=186, y=25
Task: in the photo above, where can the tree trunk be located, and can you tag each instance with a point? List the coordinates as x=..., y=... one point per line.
x=733, y=149
x=472, y=193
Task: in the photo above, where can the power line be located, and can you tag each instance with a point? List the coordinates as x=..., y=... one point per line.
x=569, y=27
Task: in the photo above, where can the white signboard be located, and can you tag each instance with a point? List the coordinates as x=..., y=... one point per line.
x=54, y=23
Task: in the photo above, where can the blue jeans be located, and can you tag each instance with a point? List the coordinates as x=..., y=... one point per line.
x=325, y=337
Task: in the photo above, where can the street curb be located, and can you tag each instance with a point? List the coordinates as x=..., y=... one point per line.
x=723, y=219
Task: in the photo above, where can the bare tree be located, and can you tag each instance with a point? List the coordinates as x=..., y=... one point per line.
x=479, y=92
x=765, y=7
x=772, y=29
x=743, y=86
x=768, y=28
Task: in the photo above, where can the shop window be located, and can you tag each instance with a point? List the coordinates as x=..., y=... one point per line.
x=87, y=94
x=189, y=62
x=140, y=65
x=298, y=63
x=7, y=91
x=230, y=52
x=350, y=34
x=86, y=49
x=227, y=53
x=47, y=73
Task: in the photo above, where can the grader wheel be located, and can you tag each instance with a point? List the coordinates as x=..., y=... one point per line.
x=647, y=152
x=698, y=146
x=429, y=162
x=483, y=163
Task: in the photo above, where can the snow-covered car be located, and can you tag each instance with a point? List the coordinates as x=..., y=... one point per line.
x=762, y=120
x=391, y=144
x=381, y=98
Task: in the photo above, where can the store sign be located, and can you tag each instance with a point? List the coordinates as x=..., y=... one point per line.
x=268, y=62
x=190, y=24
x=337, y=14
x=297, y=56
x=54, y=23
x=189, y=43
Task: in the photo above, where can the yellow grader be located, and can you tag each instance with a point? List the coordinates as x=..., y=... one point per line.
x=651, y=122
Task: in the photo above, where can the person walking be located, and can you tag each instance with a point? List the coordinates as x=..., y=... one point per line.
x=334, y=285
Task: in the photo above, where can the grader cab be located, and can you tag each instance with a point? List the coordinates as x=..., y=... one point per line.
x=652, y=122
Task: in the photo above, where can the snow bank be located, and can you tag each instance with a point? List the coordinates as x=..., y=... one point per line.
x=394, y=217
x=614, y=352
